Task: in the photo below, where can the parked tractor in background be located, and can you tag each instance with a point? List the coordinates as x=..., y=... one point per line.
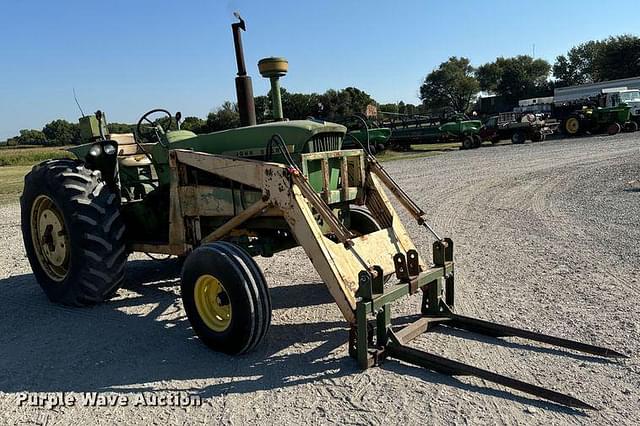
x=608, y=106
x=219, y=199
x=611, y=120
x=517, y=127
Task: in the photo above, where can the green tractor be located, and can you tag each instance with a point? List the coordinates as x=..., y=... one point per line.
x=219, y=199
x=597, y=120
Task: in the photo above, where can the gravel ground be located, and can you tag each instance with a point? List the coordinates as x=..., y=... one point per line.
x=547, y=238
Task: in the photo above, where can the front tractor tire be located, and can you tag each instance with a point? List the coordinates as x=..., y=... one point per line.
x=73, y=233
x=614, y=129
x=225, y=297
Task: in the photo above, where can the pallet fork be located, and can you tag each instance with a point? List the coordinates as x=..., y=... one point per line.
x=437, y=310
x=437, y=286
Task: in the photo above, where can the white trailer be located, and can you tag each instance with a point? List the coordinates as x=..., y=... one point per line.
x=563, y=95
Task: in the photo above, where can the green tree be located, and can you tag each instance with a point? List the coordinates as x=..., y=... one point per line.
x=298, y=106
x=61, y=132
x=337, y=104
x=263, y=108
x=618, y=57
x=452, y=85
x=515, y=78
x=195, y=124
x=609, y=59
x=223, y=118
x=30, y=137
x=578, y=66
x=393, y=107
x=120, y=128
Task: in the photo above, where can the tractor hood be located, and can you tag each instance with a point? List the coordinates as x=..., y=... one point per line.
x=252, y=141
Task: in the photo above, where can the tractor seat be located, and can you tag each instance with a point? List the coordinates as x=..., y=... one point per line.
x=129, y=153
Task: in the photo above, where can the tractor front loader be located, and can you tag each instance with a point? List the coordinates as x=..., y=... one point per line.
x=219, y=199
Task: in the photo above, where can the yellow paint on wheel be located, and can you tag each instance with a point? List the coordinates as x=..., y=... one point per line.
x=212, y=303
x=572, y=125
x=50, y=238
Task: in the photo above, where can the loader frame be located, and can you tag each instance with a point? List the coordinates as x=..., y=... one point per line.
x=354, y=268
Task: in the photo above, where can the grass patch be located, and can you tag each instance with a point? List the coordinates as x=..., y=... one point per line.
x=419, y=151
x=28, y=156
x=12, y=182
x=396, y=155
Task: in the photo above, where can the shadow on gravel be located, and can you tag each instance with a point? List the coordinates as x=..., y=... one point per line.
x=130, y=344
x=441, y=379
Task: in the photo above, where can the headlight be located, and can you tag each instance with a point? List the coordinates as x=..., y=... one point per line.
x=95, y=150
x=109, y=149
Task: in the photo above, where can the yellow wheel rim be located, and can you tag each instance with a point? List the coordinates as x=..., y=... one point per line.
x=50, y=238
x=572, y=125
x=212, y=303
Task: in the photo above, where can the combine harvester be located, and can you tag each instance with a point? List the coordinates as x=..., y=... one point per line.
x=218, y=199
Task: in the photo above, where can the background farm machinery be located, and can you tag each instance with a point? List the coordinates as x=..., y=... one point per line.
x=516, y=127
x=418, y=129
x=218, y=199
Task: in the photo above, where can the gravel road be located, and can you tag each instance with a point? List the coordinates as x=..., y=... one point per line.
x=547, y=238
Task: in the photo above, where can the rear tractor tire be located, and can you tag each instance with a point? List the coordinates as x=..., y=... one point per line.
x=614, y=129
x=477, y=141
x=226, y=298
x=572, y=126
x=73, y=233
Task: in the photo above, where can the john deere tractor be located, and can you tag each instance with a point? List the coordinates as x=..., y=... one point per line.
x=219, y=199
x=597, y=120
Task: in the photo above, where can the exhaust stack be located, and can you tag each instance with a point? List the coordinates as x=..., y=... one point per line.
x=244, y=88
x=273, y=69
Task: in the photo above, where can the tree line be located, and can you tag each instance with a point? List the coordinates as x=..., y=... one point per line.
x=330, y=105
x=454, y=85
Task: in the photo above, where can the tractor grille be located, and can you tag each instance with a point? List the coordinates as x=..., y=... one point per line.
x=325, y=142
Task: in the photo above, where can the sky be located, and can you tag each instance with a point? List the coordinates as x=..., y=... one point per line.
x=128, y=56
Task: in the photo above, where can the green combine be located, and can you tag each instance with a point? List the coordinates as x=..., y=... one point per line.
x=219, y=199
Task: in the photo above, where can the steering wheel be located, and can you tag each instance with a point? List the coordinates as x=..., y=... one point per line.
x=152, y=124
